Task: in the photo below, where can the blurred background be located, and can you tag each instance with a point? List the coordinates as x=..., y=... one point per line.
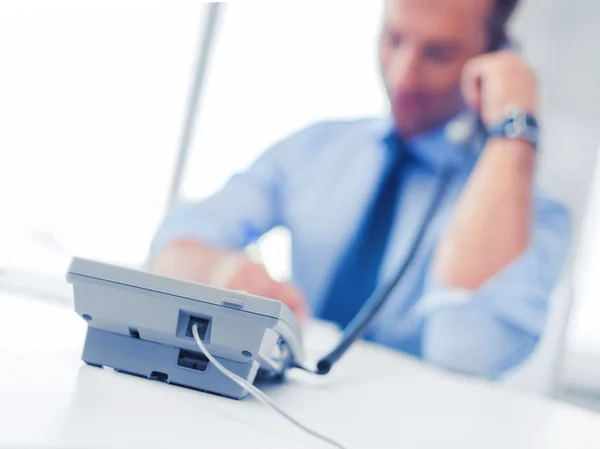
x=112, y=112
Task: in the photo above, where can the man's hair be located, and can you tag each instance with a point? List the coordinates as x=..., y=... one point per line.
x=501, y=14
x=498, y=22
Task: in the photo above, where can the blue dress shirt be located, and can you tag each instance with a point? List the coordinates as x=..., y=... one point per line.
x=317, y=183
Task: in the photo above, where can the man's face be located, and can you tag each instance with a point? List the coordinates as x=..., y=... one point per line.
x=423, y=47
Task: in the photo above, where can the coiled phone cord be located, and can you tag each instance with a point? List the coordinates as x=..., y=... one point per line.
x=379, y=297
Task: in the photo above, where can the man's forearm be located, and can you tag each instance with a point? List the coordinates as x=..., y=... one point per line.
x=492, y=222
x=187, y=259
x=198, y=262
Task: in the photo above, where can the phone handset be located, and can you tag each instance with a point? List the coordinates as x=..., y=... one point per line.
x=466, y=128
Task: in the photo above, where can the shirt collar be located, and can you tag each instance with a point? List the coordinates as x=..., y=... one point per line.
x=433, y=148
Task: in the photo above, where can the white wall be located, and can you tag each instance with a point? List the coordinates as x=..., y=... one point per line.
x=560, y=39
x=278, y=66
x=92, y=96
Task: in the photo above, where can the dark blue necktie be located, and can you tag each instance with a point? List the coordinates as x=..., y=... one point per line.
x=356, y=275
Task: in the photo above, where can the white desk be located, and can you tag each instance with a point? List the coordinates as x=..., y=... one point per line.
x=49, y=398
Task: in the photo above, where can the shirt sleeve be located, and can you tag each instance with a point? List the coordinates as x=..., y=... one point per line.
x=490, y=330
x=249, y=201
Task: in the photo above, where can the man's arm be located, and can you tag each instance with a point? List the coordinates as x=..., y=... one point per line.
x=190, y=259
x=204, y=242
x=492, y=223
x=495, y=327
x=200, y=262
x=500, y=258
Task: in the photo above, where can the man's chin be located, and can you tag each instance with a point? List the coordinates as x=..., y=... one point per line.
x=410, y=127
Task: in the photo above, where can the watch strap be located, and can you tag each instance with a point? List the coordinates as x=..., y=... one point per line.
x=518, y=125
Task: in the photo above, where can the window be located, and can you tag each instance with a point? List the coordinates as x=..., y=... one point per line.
x=93, y=97
x=278, y=66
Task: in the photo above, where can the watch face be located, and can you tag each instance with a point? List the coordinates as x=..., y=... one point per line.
x=516, y=126
x=520, y=125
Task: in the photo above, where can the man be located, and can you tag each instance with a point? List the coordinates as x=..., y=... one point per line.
x=354, y=196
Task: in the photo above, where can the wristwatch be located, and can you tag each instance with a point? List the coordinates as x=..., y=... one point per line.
x=518, y=125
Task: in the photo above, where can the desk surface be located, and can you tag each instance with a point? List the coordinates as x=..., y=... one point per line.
x=49, y=398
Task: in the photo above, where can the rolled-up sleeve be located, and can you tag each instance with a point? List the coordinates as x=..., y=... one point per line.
x=220, y=220
x=490, y=330
x=248, y=201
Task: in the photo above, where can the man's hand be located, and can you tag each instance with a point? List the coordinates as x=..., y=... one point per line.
x=493, y=81
x=253, y=278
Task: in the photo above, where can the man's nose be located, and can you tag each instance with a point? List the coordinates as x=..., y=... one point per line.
x=403, y=74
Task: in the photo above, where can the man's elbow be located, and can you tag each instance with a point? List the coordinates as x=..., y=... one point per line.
x=474, y=343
